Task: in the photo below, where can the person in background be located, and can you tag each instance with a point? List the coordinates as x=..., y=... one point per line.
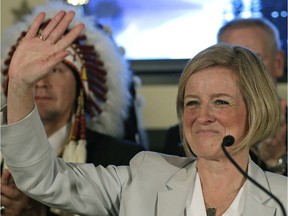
x=219, y=94
x=262, y=37
x=83, y=103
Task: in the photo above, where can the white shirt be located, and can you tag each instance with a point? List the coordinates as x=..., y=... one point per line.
x=197, y=206
x=59, y=138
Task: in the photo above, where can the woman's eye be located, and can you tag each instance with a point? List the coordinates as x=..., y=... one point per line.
x=221, y=102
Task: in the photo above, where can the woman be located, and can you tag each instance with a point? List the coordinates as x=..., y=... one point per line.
x=223, y=91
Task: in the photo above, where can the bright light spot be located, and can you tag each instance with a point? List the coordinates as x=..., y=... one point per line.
x=77, y=2
x=284, y=13
x=274, y=14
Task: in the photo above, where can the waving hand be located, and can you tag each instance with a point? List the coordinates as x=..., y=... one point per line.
x=36, y=54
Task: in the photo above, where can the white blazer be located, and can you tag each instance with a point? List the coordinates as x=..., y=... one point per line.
x=153, y=184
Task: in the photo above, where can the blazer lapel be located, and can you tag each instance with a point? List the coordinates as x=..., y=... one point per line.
x=255, y=197
x=174, y=201
x=179, y=188
x=256, y=207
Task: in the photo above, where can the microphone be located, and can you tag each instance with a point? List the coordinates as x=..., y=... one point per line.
x=229, y=141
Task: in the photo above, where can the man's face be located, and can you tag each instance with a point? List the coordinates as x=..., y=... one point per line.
x=256, y=40
x=55, y=95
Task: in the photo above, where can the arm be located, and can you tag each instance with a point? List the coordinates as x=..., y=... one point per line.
x=32, y=61
x=34, y=166
x=82, y=188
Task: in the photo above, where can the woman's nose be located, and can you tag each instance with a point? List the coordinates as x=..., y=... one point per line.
x=205, y=114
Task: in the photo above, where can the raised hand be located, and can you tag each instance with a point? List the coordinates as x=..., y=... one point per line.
x=36, y=54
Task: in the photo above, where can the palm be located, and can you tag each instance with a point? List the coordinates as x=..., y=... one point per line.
x=37, y=54
x=34, y=57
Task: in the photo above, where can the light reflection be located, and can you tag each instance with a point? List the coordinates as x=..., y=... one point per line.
x=77, y=2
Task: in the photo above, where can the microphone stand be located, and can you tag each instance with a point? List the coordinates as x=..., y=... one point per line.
x=251, y=179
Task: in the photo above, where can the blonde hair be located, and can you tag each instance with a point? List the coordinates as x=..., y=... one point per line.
x=254, y=82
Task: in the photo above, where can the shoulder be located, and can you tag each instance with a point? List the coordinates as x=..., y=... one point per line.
x=155, y=170
x=160, y=161
x=278, y=186
x=277, y=182
x=276, y=177
x=274, y=180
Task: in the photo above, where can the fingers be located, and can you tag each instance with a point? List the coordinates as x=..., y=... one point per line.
x=52, y=24
x=53, y=32
x=62, y=24
x=11, y=192
x=71, y=36
x=35, y=25
x=13, y=207
x=56, y=36
x=5, y=177
x=55, y=29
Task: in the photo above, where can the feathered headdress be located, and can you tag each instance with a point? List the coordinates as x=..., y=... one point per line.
x=104, y=75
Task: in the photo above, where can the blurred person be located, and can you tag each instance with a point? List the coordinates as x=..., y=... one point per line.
x=259, y=35
x=262, y=37
x=220, y=92
x=83, y=103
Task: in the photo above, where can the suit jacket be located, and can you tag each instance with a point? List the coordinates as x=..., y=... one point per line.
x=153, y=184
x=106, y=150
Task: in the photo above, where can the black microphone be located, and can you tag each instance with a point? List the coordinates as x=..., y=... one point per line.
x=229, y=141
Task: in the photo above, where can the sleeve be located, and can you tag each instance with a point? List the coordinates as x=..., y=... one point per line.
x=80, y=188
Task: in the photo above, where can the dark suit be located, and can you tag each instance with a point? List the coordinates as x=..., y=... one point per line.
x=105, y=150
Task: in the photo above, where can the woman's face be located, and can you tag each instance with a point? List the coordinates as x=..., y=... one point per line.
x=213, y=108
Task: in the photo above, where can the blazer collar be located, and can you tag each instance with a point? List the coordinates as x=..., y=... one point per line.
x=256, y=198
x=179, y=189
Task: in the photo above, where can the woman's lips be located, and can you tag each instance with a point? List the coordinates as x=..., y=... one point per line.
x=209, y=131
